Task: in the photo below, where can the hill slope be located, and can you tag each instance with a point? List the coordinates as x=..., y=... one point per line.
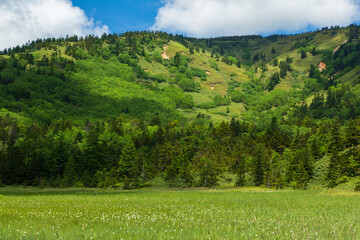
x=102, y=77
x=130, y=108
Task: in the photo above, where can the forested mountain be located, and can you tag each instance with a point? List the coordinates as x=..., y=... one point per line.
x=146, y=108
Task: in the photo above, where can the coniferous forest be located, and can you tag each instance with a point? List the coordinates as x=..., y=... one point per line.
x=142, y=108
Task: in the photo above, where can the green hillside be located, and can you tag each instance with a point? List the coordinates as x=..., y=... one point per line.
x=130, y=108
x=97, y=78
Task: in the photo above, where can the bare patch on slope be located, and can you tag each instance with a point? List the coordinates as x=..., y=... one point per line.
x=164, y=56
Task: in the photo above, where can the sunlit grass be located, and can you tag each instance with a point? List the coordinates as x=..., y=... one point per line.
x=325, y=42
x=250, y=213
x=174, y=47
x=353, y=75
x=200, y=97
x=38, y=54
x=153, y=67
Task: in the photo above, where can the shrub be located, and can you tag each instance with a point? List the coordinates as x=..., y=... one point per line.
x=213, y=65
x=159, y=77
x=148, y=58
x=79, y=184
x=221, y=101
x=178, y=182
x=157, y=57
x=237, y=96
x=357, y=187
x=207, y=105
x=158, y=182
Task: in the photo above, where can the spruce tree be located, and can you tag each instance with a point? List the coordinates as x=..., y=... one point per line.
x=303, y=54
x=127, y=158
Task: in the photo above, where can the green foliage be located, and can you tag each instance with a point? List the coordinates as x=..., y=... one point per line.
x=207, y=105
x=303, y=54
x=214, y=65
x=181, y=99
x=353, y=32
x=187, y=84
x=276, y=62
x=357, y=187
x=302, y=44
x=232, y=60
x=159, y=77
x=158, y=182
x=237, y=96
x=195, y=72
x=284, y=68
x=313, y=85
x=156, y=56
x=221, y=101
x=274, y=80
x=233, y=85
x=101, y=115
x=209, y=172
x=217, y=101
x=347, y=56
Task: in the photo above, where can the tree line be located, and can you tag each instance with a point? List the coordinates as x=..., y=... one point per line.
x=133, y=152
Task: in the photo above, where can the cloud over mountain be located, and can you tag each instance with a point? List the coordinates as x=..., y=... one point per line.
x=24, y=20
x=204, y=18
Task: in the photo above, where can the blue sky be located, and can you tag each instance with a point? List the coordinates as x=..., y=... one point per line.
x=208, y=18
x=24, y=20
x=123, y=15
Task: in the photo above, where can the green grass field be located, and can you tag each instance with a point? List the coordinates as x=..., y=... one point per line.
x=249, y=213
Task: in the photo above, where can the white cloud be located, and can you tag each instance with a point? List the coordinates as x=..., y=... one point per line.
x=204, y=18
x=24, y=20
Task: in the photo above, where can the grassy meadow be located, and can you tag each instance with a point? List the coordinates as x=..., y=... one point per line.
x=249, y=213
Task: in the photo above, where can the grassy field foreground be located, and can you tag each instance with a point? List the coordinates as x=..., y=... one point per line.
x=189, y=214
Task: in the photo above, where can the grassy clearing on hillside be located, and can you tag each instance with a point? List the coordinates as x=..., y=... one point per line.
x=153, y=67
x=216, y=83
x=300, y=68
x=200, y=97
x=201, y=61
x=38, y=54
x=324, y=41
x=174, y=47
x=283, y=48
x=218, y=114
x=351, y=77
x=189, y=214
